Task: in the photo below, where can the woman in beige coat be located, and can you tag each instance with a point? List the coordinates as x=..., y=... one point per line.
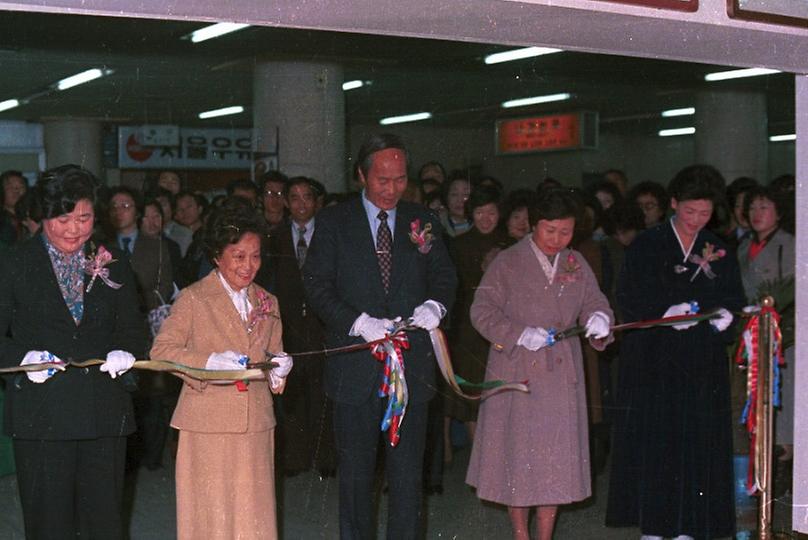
x=225, y=471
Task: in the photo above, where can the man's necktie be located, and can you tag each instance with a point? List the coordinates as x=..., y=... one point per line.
x=125, y=241
x=301, y=246
x=384, y=249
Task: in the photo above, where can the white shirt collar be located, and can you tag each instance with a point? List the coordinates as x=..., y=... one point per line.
x=239, y=298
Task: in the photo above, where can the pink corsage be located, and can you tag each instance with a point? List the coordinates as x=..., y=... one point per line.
x=95, y=267
x=708, y=255
x=421, y=237
x=259, y=312
x=569, y=269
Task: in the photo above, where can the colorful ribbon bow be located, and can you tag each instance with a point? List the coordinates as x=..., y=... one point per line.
x=394, y=384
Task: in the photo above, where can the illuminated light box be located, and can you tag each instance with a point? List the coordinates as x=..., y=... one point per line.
x=547, y=133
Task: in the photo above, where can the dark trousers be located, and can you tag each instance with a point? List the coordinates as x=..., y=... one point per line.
x=71, y=489
x=357, y=436
x=305, y=419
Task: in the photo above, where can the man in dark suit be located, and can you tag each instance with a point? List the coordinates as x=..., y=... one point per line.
x=306, y=438
x=362, y=272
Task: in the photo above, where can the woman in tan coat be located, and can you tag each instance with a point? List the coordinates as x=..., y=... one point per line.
x=225, y=471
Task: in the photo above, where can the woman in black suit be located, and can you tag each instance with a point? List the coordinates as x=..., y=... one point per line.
x=69, y=425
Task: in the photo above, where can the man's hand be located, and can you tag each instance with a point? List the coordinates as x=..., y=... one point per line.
x=370, y=328
x=428, y=315
x=40, y=357
x=533, y=338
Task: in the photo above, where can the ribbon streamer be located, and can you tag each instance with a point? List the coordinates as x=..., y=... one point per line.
x=251, y=373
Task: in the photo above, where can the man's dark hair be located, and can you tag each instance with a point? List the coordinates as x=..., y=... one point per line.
x=133, y=193
x=272, y=176
x=481, y=196
x=377, y=143
x=654, y=189
x=244, y=184
x=298, y=181
x=623, y=217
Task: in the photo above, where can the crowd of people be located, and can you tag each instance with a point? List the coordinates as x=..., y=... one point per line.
x=281, y=270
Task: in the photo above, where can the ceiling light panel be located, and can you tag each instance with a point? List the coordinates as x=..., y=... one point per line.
x=738, y=74
x=215, y=30
x=405, y=118
x=523, y=102
x=519, y=54
x=226, y=111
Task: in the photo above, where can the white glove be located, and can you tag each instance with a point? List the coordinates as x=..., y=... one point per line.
x=371, y=328
x=118, y=363
x=40, y=357
x=533, y=338
x=597, y=326
x=685, y=308
x=722, y=323
x=749, y=310
x=227, y=361
x=428, y=315
x=281, y=371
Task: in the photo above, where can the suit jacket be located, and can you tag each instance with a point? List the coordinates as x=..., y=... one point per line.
x=203, y=320
x=151, y=261
x=78, y=403
x=302, y=328
x=342, y=280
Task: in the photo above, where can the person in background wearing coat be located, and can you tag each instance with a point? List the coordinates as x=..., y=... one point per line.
x=362, y=271
x=471, y=252
x=307, y=439
x=69, y=427
x=225, y=460
x=765, y=257
x=531, y=449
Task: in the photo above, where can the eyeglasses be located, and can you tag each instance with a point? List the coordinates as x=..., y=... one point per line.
x=649, y=206
x=274, y=194
x=118, y=206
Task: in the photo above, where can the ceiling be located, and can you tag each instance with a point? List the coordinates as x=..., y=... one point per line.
x=160, y=78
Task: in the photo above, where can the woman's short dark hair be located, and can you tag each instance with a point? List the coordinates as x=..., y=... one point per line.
x=608, y=187
x=654, y=189
x=61, y=188
x=555, y=203
x=153, y=202
x=228, y=223
x=698, y=182
x=766, y=192
x=623, y=217
x=482, y=195
x=516, y=200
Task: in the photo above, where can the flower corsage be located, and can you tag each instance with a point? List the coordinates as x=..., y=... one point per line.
x=421, y=237
x=95, y=266
x=708, y=255
x=570, y=269
x=259, y=312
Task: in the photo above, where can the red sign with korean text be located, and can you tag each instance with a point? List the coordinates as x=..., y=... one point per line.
x=539, y=133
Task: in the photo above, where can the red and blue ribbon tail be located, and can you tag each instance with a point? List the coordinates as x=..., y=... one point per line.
x=394, y=383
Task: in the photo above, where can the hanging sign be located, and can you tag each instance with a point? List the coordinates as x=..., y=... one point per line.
x=547, y=133
x=194, y=149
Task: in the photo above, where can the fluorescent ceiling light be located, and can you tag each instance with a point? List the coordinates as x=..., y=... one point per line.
x=221, y=112
x=738, y=73
x=405, y=118
x=773, y=138
x=9, y=104
x=83, y=77
x=215, y=30
x=519, y=54
x=677, y=131
x=687, y=111
x=534, y=100
x=352, y=85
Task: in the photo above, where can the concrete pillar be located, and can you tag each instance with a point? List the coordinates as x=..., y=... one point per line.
x=75, y=141
x=732, y=133
x=305, y=102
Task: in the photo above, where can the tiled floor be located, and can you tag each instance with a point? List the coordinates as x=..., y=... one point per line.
x=308, y=510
